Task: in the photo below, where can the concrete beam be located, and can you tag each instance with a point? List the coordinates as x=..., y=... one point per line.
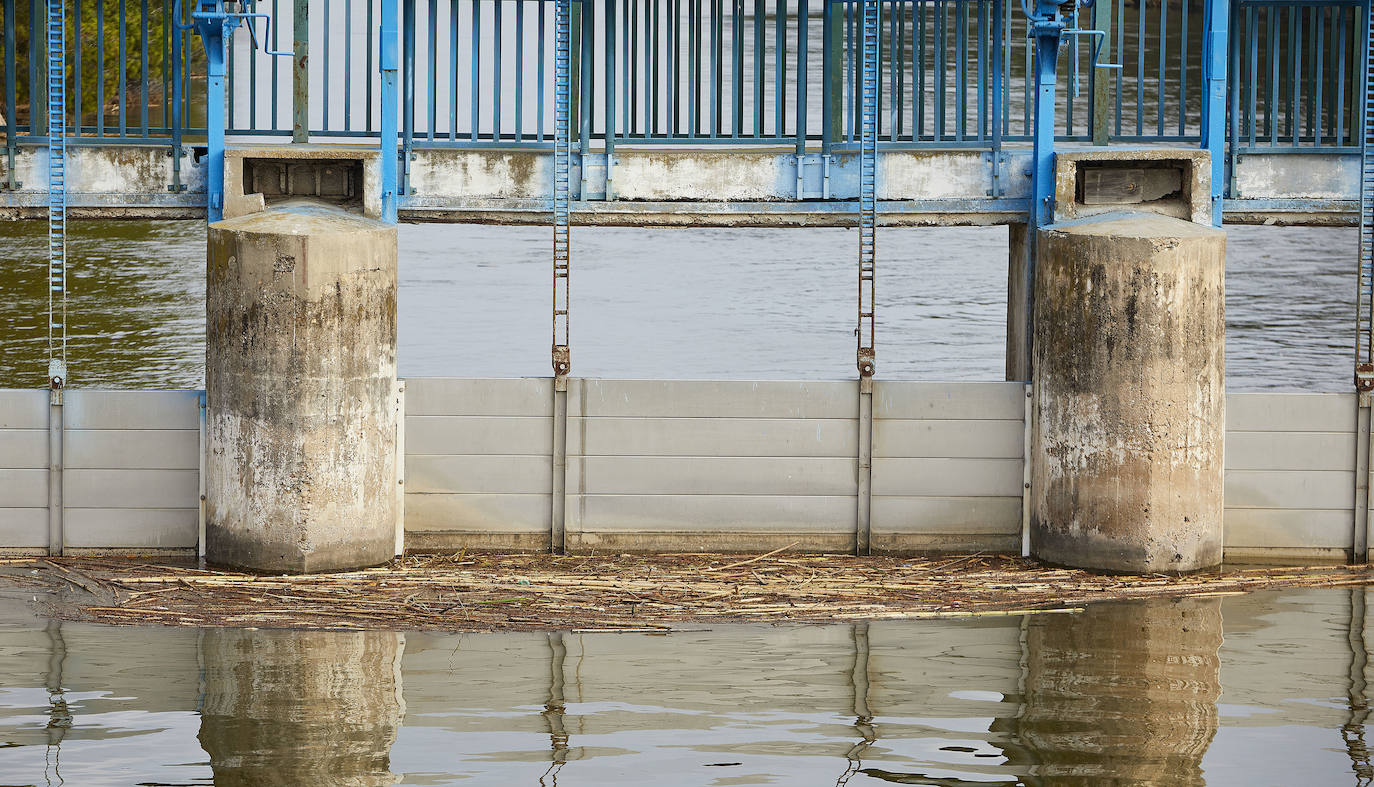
x=682, y=186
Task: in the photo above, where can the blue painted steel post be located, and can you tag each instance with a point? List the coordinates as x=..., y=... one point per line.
x=1047, y=28
x=388, y=66
x=216, y=27
x=1215, y=25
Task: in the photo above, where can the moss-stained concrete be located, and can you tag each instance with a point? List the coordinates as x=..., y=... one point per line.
x=300, y=373
x=1127, y=442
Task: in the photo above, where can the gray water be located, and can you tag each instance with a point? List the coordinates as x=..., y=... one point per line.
x=1262, y=689
x=669, y=303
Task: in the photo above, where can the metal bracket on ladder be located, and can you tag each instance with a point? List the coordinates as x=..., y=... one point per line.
x=868, y=221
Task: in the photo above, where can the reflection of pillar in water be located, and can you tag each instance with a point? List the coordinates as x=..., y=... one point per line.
x=1123, y=693
x=1352, y=732
x=301, y=707
x=554, y=710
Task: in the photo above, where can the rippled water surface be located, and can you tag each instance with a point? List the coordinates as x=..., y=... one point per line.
x=1264, y=689
x=674, y=303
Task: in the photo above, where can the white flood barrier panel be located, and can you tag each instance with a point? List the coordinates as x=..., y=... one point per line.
x=1290, y=475
x=675, y=465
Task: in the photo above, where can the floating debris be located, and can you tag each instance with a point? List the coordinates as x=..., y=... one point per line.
x=605, y=593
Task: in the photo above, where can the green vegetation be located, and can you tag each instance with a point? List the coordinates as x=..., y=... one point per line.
x=100, y=30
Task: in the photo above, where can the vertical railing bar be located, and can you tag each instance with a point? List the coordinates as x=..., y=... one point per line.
x=693, y=68
x=629, y=69
x=719, y=61
x=942, y=29
x=1294, y=77
x=1309, y=66
x=519, y=70
x=77, y=39
x=851, y=96
x=273, y=64
x=37, y=121
x=99, y=70
x=1120, y=75
x=431, y=57
x=475, y=57
x=1183, y=70
x=717, y=55
x=609, y=90
x=961, y=68
x=142, y=68
x=1160, y=91
x=654, y=53
x=780, y=14
x=997, y=83
x=252, y=87
x=1235, y=87
x=123, y=81
x=454, y=10
x=1340, y=79
x=1318, y=73
x=736, y=67
x=348, y=65
x=367, y=112
x=674, y=75
x=403, y=186
x=760, y=17
x=1271, y=124
x=326, y=31
x=498, y=38
x=803, y=64
x=12, y=91
x=1252, y=38
x=898, y=61
x=918, y=59
x=586, y=85
x=981, y=30
x=539, y=74
x=1140, y=68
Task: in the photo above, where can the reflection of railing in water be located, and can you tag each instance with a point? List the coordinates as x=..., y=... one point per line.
x=59, y=715
x=554, y=710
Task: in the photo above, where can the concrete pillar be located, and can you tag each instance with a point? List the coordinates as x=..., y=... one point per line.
x=1122, y=693
x=1129, y=381
x=300, y=372
x=301, y=707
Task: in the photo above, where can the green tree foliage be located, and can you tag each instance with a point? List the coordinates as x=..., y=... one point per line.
x=100, y=30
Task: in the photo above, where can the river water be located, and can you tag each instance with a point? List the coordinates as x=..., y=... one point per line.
x=1262, y=689
x=667, y=303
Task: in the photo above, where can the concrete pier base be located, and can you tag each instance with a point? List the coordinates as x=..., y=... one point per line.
x=300, y=372
x=1127, y=444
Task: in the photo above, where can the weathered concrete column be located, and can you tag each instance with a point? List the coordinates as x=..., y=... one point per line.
x=1129, y=381
x=300, y=372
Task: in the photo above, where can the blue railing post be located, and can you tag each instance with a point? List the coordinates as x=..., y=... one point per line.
x=387, y=66
x=1215, y=25
x=216, y=28
x=1047, y=30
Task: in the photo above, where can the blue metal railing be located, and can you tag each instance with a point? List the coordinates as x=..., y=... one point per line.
x=479, y=73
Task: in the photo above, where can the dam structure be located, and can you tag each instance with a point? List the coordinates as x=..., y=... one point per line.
x=1179, y=116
